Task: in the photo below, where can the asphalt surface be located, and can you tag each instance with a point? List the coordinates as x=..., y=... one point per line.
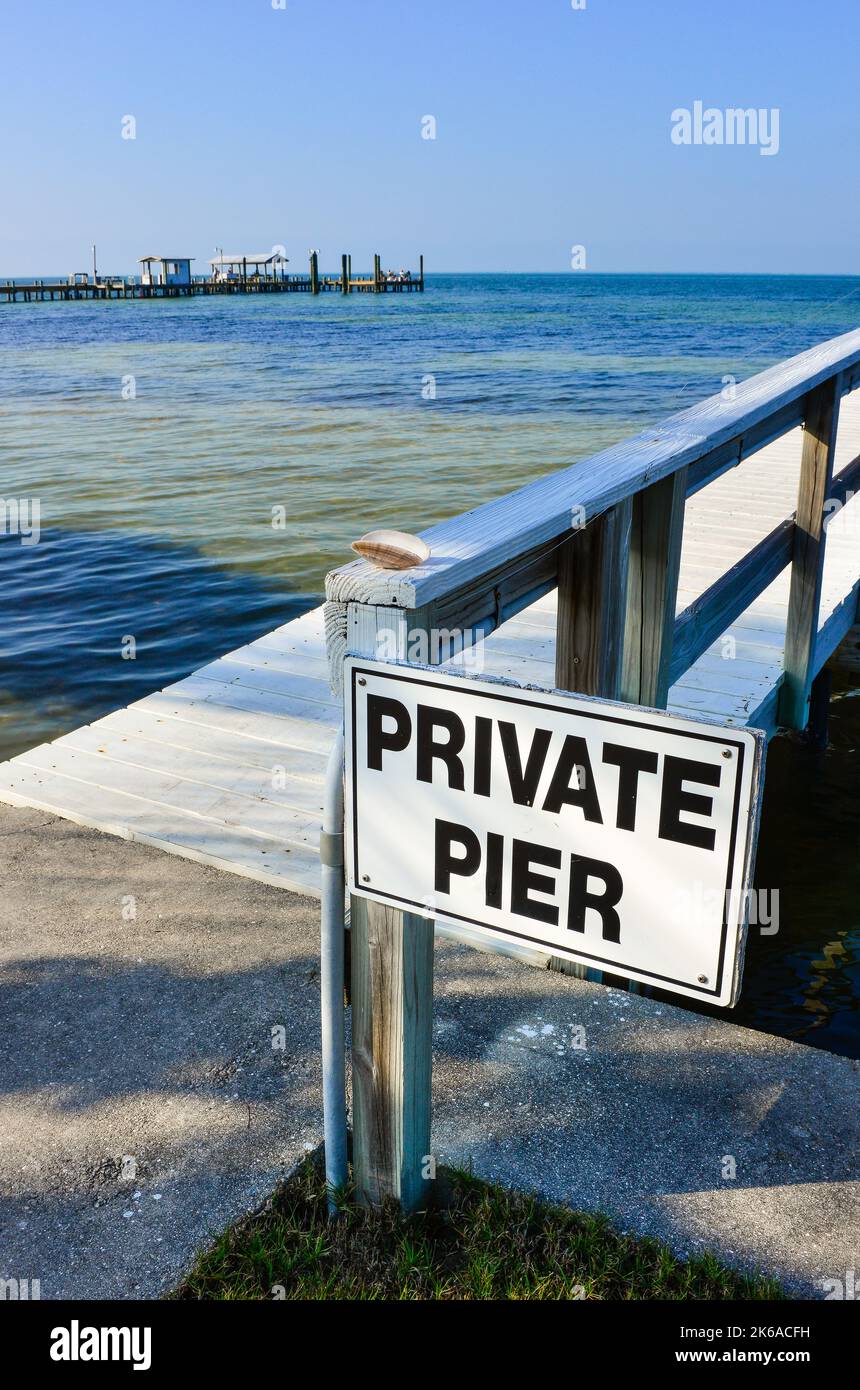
x=160, y=1074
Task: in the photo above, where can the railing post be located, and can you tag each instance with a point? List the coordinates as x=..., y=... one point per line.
x=392, y=1032
x=656, y=534
x=592, y=580
x=392, y=1002
x=816, y=471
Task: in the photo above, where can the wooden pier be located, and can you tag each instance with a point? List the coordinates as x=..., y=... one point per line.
x=116, y=287
x=706, y=532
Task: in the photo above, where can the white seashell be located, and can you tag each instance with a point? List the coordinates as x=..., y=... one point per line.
x=392, y=550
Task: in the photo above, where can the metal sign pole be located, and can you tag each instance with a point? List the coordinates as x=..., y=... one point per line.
x=331, y=977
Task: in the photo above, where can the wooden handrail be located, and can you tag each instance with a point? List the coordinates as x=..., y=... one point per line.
x=607, y=532
x=708, y=439
x=726, y=599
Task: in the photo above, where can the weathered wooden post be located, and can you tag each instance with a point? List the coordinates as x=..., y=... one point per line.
x=344, y=274
x=377, y=275
x=617, y=586
x=820, y=426
x=656, y=533
x=392, y=1001
x=315, y=273
x=592, y=583
x=392, y=1045
x=421, y=271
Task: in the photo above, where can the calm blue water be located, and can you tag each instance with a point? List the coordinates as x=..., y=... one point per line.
x=156, y=506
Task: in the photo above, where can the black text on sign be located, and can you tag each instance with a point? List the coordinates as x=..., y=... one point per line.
x=618, y=837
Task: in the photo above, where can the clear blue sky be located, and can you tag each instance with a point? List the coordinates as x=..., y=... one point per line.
x=257, y=126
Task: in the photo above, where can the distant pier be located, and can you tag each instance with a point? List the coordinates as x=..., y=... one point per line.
x=249, y=277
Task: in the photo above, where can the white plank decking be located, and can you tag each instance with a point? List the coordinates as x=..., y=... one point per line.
x=227, y=766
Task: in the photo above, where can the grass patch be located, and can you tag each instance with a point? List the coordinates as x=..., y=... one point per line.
x=479, y=1241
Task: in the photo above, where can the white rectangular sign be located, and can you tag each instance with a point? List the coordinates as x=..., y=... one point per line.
x=613, y=835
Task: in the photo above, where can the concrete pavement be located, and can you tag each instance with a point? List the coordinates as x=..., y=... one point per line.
x=161, y=1074
x=709, y=1135
x=143, y=1104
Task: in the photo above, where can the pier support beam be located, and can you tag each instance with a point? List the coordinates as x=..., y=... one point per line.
x=818, y=725
x=315, y=273
x=344, y=274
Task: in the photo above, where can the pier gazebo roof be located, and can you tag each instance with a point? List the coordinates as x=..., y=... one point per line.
x=264, y=259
